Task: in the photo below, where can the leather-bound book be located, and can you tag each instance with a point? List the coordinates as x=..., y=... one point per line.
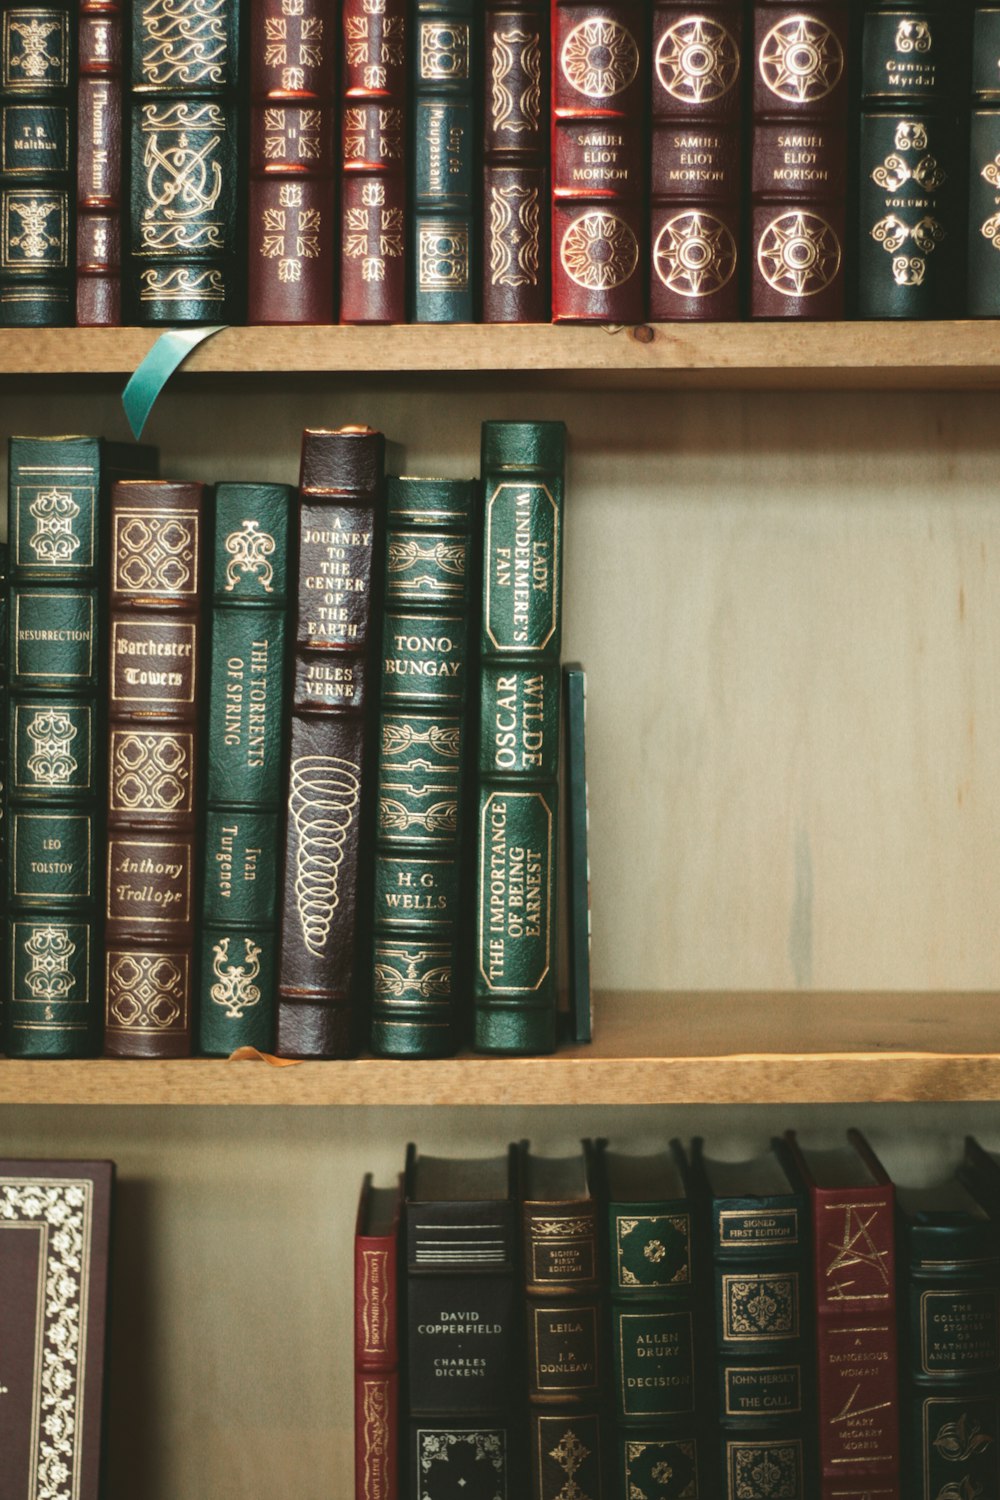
x=463, y=1336
x=696, y=166
x=983, y=288
x=516, y=201
x=373, y=182
x=567, y=1383
x=799, y=155
x=58, y=529
x=55, y=1231
x=417, y=985
x=376, y=1342
x=99, y=164
x=599, y=222
x=328, y=835
x=654, y=1271
x=185, y=262
x=37, y=146
x=756, y=1226
x=513, y=983
x=854, y=1285
x=444, y=272
x=949, y=1284
x=909, y=240
x=292, y=223
x=4, y=709
x=157, y=537
x=244, y=771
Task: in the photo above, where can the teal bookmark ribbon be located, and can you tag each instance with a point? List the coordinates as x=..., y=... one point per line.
x=170, y=351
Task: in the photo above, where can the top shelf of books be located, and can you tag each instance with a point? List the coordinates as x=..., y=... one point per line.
x=712, y=356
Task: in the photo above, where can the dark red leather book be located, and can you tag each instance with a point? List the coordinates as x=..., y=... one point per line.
x=376, y=1343
x=99, y=165
x=292, y=226
x=695, y=166
x=329, y=837
x=798, y=174
x=157, y=539
x=854, y=1269
x=599, y=92
x=374, y=144
x=516, y=207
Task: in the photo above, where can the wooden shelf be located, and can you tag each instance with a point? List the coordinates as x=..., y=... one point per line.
x=764, y=356
x=739, y=1048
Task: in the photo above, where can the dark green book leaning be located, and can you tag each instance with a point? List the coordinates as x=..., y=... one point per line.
x=244, y=784
x=444, y=160
x=518, y=752
x=422, y=755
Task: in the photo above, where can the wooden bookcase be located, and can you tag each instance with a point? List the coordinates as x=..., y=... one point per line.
x=783, y=577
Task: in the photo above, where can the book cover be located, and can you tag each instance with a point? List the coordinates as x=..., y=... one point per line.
x=37, y=155
x=55, y=1222
x=599, y=100
x=518, y=754
x=376, y=1342
x=983, y=290
x=58, y=504
x=373, y=250
x=156, y=707
x=444, y=52
x=698, y=74
x=328, y=829
x=99, y=164
x=581, y=1014
x=417, y=982
x=245, y=766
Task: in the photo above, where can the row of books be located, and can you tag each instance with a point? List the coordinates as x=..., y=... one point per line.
x=300, y=161
x=611, y=1326
x=242, y=734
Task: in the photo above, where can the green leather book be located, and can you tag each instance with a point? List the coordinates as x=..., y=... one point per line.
x=581, y=1017
x=244, y=766
x=513, y=982
x=444, y=160
x=983, y=287
x=57, y=656
x=422, y=756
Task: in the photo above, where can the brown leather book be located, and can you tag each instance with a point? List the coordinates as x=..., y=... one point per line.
x=157, y=530
x=373, y=202
x=99, y=165
x=516, y=209
x=292, y=224
x=328, y=840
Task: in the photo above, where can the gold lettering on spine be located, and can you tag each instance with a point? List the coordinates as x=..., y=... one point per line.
x=375, y=1301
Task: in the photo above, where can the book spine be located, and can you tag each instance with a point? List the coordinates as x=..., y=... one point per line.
x=798, y=173
x=244, y=781
x=373, y=266
x=518, y=752
x=185, y=248
x=695, y=166
x=329, y=783
x=444, y=159
x=37, y=47
x=99, y=165
x=157, y=534
x=516, y=199
x=421, y=776
x=4, y=729
x=376, y=1367
x=578, y=851
x=599, y=97
x=983, y=290
x=291, y=193
x=908, y=235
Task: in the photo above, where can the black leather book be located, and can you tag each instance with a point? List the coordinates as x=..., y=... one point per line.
x=983, y=285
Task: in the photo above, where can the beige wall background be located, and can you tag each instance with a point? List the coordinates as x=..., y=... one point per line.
x=789, y=609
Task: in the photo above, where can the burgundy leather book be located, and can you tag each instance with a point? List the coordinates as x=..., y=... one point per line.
x=695, y=166
x=292, y=226
x=99, y=165
x=854, y=1268
x=329, y=837
x=157, y=538
x=373, y=184
x=516, y=207
x=55, y=1220
x=599, y=90
x=376, y=1343
x=798, y=174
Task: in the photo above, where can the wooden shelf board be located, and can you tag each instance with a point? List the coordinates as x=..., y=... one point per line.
x=651, y=1049
x=955, y=355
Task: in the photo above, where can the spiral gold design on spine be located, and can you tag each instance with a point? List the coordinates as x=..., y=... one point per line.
x=322, y=803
